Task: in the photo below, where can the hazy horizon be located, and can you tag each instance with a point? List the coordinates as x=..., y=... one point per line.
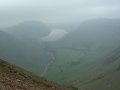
x=54, y=12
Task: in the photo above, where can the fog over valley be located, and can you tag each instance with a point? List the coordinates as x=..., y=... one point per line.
x=54, y=35
x=68, y=44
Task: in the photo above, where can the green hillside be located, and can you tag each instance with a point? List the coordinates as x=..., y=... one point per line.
x=21, y=53
x=29, y=31
x=83, y=58
x=103, y=74
x=82, y=48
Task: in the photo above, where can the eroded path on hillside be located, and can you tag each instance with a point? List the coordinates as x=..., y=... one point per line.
x=52, y=59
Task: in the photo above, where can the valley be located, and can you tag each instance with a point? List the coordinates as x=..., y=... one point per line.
x=87, y=58
x=59, y=44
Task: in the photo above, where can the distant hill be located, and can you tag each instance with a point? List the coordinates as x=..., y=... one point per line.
x=15, y=78
x=93, y=32
x=29, y=31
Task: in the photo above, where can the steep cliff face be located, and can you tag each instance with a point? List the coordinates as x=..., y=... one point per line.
x=15, y=78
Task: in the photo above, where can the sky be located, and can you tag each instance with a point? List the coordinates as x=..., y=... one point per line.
x=56, y=11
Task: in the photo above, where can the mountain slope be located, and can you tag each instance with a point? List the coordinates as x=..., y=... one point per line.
x=83, y=58
x=15, y=78
x=77, y=51
x=101, y=75
x=93, y=32
x=29, y=31
x=22, y=54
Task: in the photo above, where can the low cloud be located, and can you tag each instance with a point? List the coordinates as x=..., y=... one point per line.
x=56, y=11
x=54, y=35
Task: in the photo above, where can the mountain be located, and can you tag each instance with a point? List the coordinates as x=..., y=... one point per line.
x=15, y=78
x=22, y=54
x=82, y=48
x=93, y=32
x=101, y=75
x=29, y=31
x=10, y=48
x=88, y=57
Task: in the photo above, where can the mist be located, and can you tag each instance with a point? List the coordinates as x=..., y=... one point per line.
x=54, y=35
x=56, y=13
x=71, y=42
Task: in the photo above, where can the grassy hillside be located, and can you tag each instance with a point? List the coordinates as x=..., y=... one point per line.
x=82, y=58
x=29, y=31
x=22, y=54
x=103, y=74
x=13, y=77
x=81, y=48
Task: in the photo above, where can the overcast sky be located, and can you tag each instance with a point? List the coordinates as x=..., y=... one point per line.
x=56, y=11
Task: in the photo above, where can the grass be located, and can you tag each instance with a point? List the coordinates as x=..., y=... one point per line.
x=64, y=67
x=118, y=69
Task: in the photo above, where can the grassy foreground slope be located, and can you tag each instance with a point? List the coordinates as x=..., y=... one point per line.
x=15, y=78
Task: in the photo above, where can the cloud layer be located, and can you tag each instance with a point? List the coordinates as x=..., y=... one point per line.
x=54, y=35
x=56, y=11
